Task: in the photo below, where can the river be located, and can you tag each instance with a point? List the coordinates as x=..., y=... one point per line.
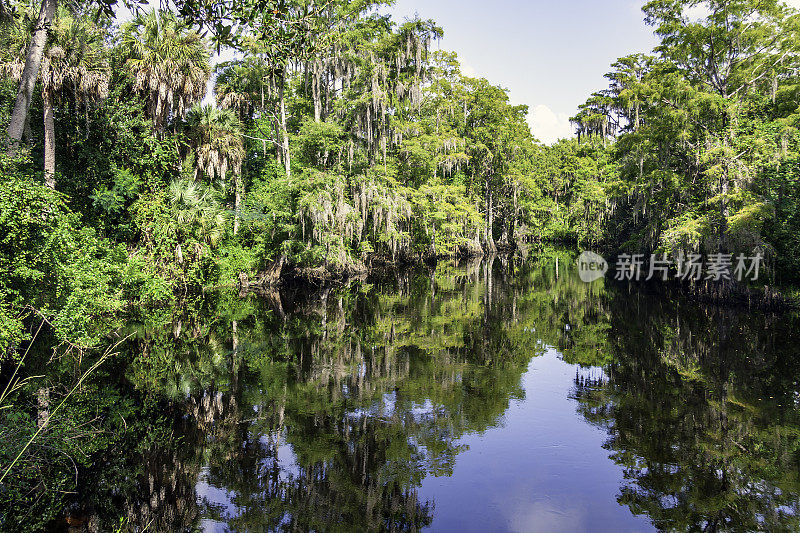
x=496, y=395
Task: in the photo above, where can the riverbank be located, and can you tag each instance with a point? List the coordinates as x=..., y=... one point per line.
x=725, y=292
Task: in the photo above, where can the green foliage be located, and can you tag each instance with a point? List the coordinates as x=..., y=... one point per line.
x=576, y=182
x=43, y=245
x=232, y=259
x=703, y=134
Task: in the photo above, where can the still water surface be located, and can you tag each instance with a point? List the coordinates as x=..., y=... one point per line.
x=494, y=396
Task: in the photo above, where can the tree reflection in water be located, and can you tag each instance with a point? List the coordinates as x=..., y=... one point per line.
x=324, y=409
x=700, y=408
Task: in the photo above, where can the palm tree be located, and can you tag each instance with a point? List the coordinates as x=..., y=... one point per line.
x=258, y=82
x=239, y=88
x=14, y=34
x=169, y=62
x=215, y=135
x=247, y=87
x=29, y=70
x=197, y=214
x=74, y=66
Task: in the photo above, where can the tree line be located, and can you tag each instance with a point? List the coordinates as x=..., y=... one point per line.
x=140, y=170
x=702, y=133
x=336, y=137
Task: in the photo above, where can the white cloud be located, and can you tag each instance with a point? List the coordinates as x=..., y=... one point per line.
x=792, y=3
x=467, y=69
x=541, y=517
x=698, y=12
x=547, y=125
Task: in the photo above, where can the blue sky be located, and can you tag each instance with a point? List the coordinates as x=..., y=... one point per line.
x=550, y=54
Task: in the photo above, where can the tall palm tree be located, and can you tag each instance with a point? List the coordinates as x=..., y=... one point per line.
x=216, y=138
x=169, y=62
x=29, y=70
x=74, y=65
x=14, y=35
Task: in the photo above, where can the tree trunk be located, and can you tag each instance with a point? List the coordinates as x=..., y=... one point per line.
x=284, y=132
x=504, y=235
x=49, y=142
x=238, y=202
x=315, y=94
x=515, y=216
x=33, y=61
x=488, y=237
x=276, y=131
x=27, y=134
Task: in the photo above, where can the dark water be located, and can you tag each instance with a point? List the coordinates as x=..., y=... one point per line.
x=494, y=396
